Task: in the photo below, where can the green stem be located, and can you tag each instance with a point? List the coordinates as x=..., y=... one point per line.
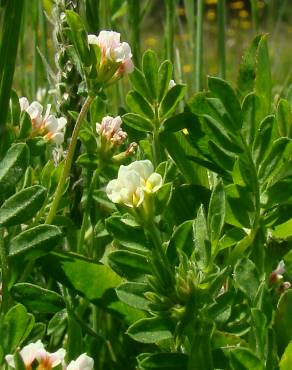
x=156, y=143
x=199, y=45
x=221, y=38
x=5, y=273
x=87, y=209
x=68, y=160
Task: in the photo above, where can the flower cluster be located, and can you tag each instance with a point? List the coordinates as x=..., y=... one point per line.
x=47, y=125
x=116, y=56
x=110, y=130
x=133, y=183
x=35, y=352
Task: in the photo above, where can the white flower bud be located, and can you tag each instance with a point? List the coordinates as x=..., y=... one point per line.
x=28, y=354
x=83, y=362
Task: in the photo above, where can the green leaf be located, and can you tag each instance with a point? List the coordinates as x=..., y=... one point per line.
x=37, y=299
x=246, y=278
x=239, y=206
x=13, y=166
x=22, y=206
x=137, y=122
x=251, y=120
x=179, y=149
x=150, y=70
x=164, y=77
x=11, y=14
x=171, y=99
x=244, y=359
x=78, y=36
x=151, y=330
x=132, y=294
x=88, y=161
x=284, y=118
x=87, y=278
x=286, y=359
x=181, y=240
x=129, y=264
x=35, y=242
x=166, y=361
x=222, y=90
x=263, y=139
x=231, y=237
x=259, y=328
x=263, y=81
x=278, y=193
x=131, y=236
x=139, y=105
x=162, y=198
x=279, y=154
x=185, y=202
x=139, y=83
x=283, y=321
x=201, y=239
x=25, y=125
x=17, y=324
x=216, y=214
x=179, y=122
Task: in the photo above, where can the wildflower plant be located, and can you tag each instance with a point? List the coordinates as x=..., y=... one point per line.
x=151, y=235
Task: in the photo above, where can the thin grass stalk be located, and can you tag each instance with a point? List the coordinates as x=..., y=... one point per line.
x=199, y=46
x=221, y=38
x=134, y=21
x=8, y=52
x=169, y=29
x=190, y=15
x=254, y=16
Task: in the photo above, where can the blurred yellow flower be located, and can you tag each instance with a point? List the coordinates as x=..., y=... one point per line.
x=237, y=5
x=243, y=13
x=211, y=15
x=211, y=2
x=180, y=11
x=151, y=41
x=187, y=68
x=245, y=24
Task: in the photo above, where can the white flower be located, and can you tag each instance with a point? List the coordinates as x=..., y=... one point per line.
x=132, y=183
x=113, y=50
x=49, y=360
x=28, y=354
x=110, y=129
x=280, y=269
x=83, y=362
x=171, y=84
x=48, y=125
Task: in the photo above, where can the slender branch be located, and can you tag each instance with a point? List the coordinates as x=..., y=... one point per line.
x=5, y=273
x=68, y=161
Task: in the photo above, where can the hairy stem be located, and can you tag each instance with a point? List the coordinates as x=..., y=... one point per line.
x=68, y=160
x=5, y=273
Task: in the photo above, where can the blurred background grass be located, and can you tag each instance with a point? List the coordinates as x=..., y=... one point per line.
x=163, y=25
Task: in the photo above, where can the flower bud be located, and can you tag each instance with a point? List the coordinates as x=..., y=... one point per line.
x=48, y=126
x=116, y=57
